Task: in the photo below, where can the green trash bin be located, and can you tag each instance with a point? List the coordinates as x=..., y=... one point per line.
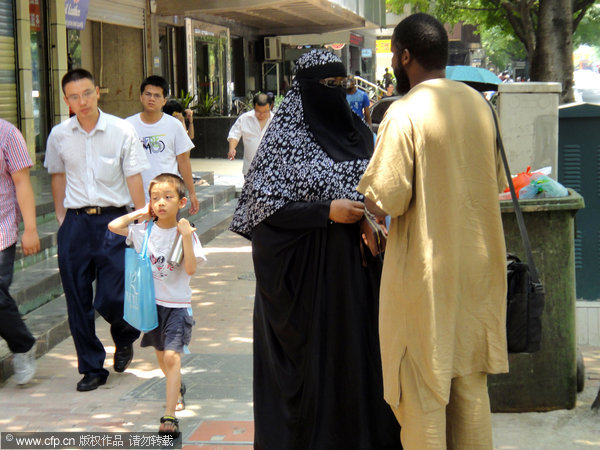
x=545, y=380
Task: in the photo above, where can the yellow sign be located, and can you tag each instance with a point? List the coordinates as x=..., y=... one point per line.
x=383, y=46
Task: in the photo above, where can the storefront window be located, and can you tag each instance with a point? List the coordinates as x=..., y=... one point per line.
x=74, y=47
x=210, y=67
x=208, y=74
x=168, y=56
x=41, y=106
x=9, y=86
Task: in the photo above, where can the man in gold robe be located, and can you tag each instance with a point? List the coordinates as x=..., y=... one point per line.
x=437, y=172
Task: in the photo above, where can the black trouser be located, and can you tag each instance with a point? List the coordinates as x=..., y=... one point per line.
x=12, y=327
x=88, y=251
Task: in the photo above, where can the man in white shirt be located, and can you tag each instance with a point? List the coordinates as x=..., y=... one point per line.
x=96, y=161
x=250, y=127
x=163, y=137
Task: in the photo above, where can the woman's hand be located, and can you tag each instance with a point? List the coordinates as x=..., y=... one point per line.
x=346, y=211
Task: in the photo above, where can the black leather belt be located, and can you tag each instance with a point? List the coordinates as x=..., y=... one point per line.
x=99, y=210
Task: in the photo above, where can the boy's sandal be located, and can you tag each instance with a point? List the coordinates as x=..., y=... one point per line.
x=181, y=400
x=169, y=425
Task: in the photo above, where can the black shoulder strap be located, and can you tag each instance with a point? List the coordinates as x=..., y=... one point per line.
x=524, y=236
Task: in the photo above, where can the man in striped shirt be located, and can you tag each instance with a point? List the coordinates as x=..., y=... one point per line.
x=17, y=200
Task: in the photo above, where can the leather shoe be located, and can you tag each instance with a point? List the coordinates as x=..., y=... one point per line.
x=123, y=357
x=91, y=381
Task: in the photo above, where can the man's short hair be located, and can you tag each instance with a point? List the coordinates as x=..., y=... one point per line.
x=175, y=180
x=271, y=98
x=425, y=38
x=172, y=106
x=155, y=80
x=260, y=99
x=76, y=75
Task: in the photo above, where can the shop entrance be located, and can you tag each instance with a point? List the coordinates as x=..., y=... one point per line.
x=211, y=77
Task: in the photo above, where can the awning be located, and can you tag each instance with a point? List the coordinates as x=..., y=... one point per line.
x=271, y=17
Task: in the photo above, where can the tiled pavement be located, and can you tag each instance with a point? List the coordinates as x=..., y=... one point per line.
x=217, y=372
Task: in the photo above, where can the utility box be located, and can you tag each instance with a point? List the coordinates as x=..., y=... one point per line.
x=579, y=169
x=545, y=380
x=528, y=116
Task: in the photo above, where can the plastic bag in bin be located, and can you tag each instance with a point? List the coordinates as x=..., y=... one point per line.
x=543, y=187
x=523, y=179
x=520, y=180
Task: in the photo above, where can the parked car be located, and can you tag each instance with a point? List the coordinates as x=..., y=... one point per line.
x=379, y=108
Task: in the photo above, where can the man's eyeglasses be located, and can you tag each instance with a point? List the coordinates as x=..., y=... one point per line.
x=150, y=95
x=86, y=95
x=333, y=83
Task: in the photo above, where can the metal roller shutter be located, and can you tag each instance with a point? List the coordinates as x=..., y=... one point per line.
x=8, y=80
x=128, y=13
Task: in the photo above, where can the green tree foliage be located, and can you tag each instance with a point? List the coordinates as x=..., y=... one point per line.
x=588, y=31
x=501, y=47
x=544, y=28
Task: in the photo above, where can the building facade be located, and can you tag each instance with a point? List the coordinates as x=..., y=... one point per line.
x=210, y=50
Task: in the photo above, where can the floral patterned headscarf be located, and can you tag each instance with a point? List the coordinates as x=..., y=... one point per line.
x=291, y=165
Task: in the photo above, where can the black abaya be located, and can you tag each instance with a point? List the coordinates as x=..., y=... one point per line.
x=317, y=368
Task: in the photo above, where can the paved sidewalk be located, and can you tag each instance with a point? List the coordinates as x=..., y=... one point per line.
x=226, y=172
x=217, y=372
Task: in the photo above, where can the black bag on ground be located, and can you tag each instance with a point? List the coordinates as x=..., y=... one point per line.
x=524, y=309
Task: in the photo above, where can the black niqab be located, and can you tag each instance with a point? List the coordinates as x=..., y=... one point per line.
x=342, y=134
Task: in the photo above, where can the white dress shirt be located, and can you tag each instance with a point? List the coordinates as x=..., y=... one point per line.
x=248, y=128
x=97, y=163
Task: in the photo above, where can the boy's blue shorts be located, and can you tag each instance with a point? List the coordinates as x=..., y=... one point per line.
x=174, y=330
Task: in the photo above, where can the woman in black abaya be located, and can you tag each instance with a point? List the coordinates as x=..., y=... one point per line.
x=317, y=368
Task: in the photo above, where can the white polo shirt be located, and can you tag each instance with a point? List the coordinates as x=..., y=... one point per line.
x=97, y=163
x=248, y=128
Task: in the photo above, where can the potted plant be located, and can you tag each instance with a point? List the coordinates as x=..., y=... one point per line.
x=207, y=105
x=211, y=129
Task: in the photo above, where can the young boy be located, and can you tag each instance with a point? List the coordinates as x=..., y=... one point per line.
x=171, y=283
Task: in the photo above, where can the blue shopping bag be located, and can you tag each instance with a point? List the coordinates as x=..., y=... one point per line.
x=140, y=302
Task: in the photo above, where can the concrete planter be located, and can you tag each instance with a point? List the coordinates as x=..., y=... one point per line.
x=210, y=137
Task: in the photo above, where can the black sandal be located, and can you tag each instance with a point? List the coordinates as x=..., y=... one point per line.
x=181, y=400
x=170, y=421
